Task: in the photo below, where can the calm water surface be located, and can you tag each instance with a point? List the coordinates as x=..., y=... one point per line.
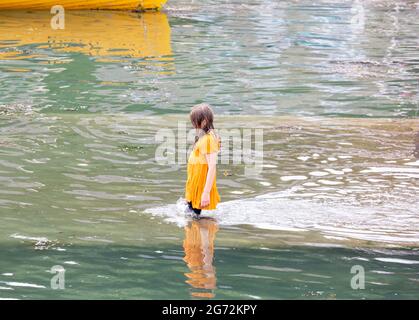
x=333, y=85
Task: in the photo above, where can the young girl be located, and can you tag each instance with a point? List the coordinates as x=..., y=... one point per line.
x=201, y=188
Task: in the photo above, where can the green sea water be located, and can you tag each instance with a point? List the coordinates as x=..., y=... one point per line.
x=332, y=85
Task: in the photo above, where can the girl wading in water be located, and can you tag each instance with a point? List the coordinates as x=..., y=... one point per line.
x=201, y=188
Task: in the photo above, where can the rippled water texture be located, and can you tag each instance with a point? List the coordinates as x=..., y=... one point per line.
x=332, y=85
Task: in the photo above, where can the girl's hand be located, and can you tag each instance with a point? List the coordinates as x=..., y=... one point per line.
x=205, y=199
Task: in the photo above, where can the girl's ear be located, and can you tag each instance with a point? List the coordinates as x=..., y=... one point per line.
x=203, y=124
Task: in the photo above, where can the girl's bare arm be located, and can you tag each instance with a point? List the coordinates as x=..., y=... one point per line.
x=212, y=169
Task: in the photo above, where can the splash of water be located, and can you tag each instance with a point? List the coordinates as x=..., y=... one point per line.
x=334, y=219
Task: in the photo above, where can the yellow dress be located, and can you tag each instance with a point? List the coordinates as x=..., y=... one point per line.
x=197, y=172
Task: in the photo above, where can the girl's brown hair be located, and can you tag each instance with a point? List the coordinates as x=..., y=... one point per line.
x=202, y=117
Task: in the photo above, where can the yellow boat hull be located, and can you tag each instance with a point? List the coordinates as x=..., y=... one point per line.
x=82, y=4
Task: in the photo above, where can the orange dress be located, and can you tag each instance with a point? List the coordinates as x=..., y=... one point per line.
x=197, y=172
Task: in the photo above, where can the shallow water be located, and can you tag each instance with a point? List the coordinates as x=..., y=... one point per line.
x=80, y=186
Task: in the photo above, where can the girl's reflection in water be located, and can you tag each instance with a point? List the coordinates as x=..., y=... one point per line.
x=199, y=254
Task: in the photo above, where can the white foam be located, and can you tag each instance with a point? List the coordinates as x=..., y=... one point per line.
x=318, y=173
x=303, y=158
x=395, y=260
x=292, y=178
x=333, y=171
x=18, y=236
x=329, y=182
x=5, y=288
x=23, y=284
x=390, y=170
x=331, y=217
